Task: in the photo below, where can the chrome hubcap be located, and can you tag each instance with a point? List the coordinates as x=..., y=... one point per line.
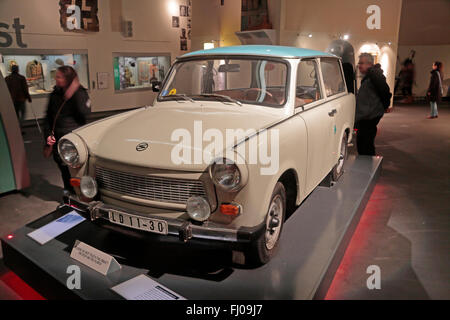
x=342, y=156
x=273, y=222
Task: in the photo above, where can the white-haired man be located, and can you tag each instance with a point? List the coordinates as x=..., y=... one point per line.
x=372, y=101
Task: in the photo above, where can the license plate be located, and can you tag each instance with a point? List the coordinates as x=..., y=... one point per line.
x=137, y=222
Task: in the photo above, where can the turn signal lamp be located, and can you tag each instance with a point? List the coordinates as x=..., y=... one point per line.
x=230, y=209
x=75, y=182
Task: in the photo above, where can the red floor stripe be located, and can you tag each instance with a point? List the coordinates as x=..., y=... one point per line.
x=357, y=242
x=19, y=286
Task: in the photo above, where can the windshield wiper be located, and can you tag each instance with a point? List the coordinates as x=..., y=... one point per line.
x=183, y=96
x=221, y=96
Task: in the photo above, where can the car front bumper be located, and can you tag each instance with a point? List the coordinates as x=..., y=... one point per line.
x=183, y=229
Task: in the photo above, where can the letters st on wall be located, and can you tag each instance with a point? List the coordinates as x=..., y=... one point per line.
x=79, y=15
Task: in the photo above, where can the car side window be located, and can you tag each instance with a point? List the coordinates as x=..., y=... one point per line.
x=332, y=76
x=307, y=87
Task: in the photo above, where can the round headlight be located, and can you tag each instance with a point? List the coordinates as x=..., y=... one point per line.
x=88, y=187
x=198, y=208
x=226, y=175
x=69, y=153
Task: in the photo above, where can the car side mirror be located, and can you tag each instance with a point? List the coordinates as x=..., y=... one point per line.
x=156, y=86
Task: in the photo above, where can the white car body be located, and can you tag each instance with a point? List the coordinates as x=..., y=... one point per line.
x=311, y=139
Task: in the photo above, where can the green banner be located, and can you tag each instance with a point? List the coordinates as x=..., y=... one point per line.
x=7, y=180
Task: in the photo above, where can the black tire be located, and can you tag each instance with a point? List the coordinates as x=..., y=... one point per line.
x=338, y=169
x=264, y=248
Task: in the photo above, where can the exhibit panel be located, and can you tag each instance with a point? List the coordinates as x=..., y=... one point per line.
x=40, y=68
x=13, y=166
x=139, y=71
x=7, y=182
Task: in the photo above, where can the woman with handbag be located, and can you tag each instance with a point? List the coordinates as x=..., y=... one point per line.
x=67, y=109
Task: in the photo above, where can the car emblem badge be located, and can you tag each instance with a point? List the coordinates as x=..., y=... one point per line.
x=142, y=146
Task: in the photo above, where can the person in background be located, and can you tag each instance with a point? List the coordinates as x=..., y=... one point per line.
x=18, y=88
x=408, y=75
x=71, y=116
x=435, y=90
x=372, y=101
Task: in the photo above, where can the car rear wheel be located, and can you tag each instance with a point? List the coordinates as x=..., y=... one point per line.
x=338, y=169
x=263, y=249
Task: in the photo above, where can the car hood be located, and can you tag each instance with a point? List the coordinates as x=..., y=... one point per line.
x=163, y=126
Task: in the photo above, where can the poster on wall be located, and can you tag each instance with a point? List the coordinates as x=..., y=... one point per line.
x=175, y=22
x=183, y=40
x=183, y=11
x=102, y=80
x=184, y=22
x=79, y=15
x=255, y=15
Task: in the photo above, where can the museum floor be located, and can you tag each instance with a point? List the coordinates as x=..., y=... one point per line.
x=405, y=228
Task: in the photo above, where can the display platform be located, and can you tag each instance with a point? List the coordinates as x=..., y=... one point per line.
x=312, y=245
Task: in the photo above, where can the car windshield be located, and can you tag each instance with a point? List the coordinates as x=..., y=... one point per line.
x=244, y=80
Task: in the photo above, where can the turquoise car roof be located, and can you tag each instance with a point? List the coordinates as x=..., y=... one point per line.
x=261, y=50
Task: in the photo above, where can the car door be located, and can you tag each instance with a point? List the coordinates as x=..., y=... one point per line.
x=311, y=105
x=335, y=91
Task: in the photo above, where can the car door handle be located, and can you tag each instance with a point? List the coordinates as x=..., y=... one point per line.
x=332, y=113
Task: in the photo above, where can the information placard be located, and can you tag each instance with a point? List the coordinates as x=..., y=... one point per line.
x=94, y=258
x=145, y=288
x=57, y=227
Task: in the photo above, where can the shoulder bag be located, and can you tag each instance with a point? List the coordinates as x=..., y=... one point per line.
x=48, y=149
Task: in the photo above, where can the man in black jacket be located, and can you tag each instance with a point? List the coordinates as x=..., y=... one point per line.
x=372, y=101
x=18, y=88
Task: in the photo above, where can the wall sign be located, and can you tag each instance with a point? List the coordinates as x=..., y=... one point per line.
x=8, y=40
x=79, y=15
x=102, y=80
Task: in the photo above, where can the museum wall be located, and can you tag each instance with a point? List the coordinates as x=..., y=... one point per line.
x=424, y=29
x=328, y=20
x=213, y=22
x=424, y=58
x=295, y=20
x=152, y=34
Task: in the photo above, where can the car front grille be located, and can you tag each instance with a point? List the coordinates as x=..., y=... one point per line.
x=153, y=188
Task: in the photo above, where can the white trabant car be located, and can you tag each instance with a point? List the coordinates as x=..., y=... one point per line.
x=237, y=138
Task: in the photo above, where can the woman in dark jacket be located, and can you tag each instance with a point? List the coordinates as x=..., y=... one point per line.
x=434, y=93
x=71, y=115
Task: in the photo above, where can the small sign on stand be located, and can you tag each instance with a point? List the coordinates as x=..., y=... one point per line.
x=94, y=258
x=144, y=288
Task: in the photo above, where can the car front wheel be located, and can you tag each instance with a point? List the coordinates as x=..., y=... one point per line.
x=263, y=249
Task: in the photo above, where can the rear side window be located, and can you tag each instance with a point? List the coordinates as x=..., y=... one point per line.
x=332, y=76
x=307, y=89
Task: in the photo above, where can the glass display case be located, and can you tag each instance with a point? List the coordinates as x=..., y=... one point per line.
x=139, y=72
x=40, y=68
